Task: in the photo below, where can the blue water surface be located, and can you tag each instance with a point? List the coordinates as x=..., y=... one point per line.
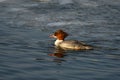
x=27, y=52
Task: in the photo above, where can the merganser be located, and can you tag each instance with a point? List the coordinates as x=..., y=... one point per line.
x=60, y=42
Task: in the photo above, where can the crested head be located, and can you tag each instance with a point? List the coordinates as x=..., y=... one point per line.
x=60, y=34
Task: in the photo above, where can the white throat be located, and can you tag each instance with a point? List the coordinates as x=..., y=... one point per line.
x=57, y=42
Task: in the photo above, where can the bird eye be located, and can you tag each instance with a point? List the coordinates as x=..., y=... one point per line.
x=55, y=33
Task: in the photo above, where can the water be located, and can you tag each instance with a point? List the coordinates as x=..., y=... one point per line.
x=27, y=52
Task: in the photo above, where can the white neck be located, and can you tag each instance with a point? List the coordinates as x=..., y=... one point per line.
x=57, y=42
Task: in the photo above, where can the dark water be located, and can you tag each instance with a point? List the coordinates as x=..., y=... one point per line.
x=27, y=52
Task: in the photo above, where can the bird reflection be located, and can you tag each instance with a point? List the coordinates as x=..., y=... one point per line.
x=58, y=53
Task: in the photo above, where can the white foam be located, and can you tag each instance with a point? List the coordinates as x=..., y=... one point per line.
x=17, y=9
x=87, y=3
x=90, y=4
x=44, y=1
x=2, y=0
x=62, y=2
x=68, y=23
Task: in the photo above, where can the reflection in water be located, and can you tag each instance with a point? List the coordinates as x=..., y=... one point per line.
x=58, y=53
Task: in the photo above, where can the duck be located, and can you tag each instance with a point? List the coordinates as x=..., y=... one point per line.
x=61, y=43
